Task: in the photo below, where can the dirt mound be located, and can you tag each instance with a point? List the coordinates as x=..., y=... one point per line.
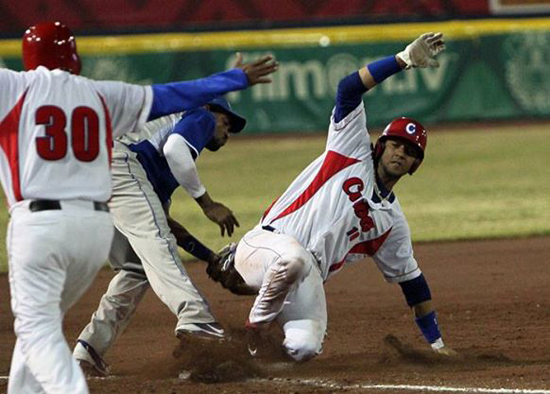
x=228, y=360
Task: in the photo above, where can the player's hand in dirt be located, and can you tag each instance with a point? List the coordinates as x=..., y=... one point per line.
x=254, y=337
x=258, y=70
x=218, y=213
x=446, y=351
x=421, y=52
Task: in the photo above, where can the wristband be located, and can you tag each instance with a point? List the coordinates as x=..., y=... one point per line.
x=383, y=68
x=429, y=327
x=193, y=246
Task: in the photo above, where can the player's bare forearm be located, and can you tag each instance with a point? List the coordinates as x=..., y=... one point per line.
x=188, y=242
x=178, y=230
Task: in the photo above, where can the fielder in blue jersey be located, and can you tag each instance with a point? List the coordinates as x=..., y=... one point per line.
x=145, y=173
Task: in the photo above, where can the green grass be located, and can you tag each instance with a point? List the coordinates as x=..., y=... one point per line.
x=475, y=183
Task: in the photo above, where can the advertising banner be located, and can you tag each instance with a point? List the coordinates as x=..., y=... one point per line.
x=481, y=77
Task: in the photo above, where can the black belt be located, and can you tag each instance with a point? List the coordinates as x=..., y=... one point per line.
x=51, y=205
x=269, y=228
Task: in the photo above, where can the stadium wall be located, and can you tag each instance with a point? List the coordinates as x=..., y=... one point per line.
x=493, y=69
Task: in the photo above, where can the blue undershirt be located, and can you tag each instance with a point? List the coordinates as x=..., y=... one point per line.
x=197, y=128
x=348, y=96
x=175, y=97
x=351, y=88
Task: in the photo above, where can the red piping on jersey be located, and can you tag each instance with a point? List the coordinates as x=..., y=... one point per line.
x=334, y=162
x=9, y=142
x=269, y=208
x=368, y=247
x=108, y=129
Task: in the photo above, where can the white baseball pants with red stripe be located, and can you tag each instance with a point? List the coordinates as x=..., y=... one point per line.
x=290, y=289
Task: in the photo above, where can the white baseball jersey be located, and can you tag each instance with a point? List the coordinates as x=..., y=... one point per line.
x=156, y=131
x=56, y=132
x=332, y=209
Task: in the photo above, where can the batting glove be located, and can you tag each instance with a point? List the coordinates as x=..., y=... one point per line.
x=421, y=52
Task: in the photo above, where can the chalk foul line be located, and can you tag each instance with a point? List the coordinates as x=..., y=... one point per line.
x=405, y=387
x=363, y=386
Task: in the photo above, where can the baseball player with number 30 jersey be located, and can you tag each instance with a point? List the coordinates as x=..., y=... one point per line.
x=340, y=209
x=56, y=131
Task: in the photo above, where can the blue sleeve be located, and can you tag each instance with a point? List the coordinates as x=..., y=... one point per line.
x=349, y=95
x=416, y=290
x=197, y=127
x=174, y=97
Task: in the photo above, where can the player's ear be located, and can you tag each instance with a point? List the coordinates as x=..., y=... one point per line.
x=414, y=165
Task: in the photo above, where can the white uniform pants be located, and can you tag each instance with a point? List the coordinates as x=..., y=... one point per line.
x=145, y=245
x=54, y=256
x=290, y=289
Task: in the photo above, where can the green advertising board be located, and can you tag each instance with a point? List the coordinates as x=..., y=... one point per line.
x=498, y=71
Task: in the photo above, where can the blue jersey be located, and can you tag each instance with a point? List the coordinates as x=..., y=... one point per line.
x=196, y=126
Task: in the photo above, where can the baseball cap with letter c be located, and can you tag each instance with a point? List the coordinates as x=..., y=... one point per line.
x=405, y=129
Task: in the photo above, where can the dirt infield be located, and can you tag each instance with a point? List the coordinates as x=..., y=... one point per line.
x=493, y=300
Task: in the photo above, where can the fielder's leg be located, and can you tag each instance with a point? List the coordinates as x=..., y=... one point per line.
x=138, y=214
x=115, y=310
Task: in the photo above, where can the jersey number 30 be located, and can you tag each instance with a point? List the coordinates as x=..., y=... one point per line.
x=84, y=133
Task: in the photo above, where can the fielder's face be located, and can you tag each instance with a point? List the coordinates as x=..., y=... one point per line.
x=398, y=157
x=221, y=133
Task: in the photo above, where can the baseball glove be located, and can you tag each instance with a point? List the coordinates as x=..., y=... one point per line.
x=223, y=270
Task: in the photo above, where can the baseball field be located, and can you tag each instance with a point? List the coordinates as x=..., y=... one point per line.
x=479, y=211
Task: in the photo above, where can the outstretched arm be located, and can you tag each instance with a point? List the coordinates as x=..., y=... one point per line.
x=418, y=295
x=174, y=97
x=419, y=53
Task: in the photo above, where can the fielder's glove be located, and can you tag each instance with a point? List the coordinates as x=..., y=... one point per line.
x=421, y=52
x=223, y=270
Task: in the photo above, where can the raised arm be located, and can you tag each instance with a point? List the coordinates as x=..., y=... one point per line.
x=419, y=53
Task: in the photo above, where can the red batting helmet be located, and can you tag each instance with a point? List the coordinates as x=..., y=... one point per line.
x=404, y=129
x=52, y=45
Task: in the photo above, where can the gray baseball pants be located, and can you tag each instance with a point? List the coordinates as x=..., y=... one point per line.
x=144, y=252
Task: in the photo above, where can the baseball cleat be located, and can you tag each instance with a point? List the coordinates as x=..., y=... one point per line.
x=201, y=330
x=92, y=364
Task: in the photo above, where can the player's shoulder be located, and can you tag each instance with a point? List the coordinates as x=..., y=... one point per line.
x=7, y=71
x=198, y=113
x=199, y=116
x=12, y=75
x=355, y=117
